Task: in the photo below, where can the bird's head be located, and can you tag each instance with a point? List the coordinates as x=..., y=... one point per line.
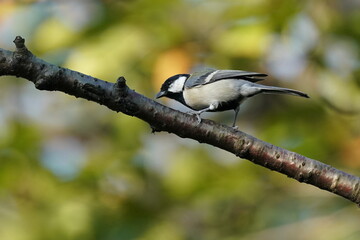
x=173, y=86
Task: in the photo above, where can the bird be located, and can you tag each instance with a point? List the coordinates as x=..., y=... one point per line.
x=212, y=90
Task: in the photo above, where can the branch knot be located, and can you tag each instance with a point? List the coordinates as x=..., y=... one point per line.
x=20, y=47
x=120, y=88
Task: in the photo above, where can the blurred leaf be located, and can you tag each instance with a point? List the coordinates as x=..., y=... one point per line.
x=53, y=34
x=250, y=41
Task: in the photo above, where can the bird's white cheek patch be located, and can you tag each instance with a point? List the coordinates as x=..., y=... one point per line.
x=178, y=85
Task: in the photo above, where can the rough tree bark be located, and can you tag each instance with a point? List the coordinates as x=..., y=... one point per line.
x=118, y=97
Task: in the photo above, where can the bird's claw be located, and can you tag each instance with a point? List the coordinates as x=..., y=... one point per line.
x=198, y=118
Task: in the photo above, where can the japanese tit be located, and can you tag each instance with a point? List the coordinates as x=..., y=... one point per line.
x=214, y=90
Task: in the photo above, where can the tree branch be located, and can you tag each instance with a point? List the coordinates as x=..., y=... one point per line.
x=118, y=97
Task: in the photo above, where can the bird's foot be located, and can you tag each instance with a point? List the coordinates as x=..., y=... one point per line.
x=197, y=116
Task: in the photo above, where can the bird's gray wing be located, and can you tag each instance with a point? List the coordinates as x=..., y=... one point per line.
x=238, y=74
x=213, y=75
x=198, y=77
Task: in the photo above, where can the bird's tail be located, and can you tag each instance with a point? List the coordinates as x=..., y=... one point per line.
x=279, y=90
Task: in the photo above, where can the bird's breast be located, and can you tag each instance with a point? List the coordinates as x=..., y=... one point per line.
x=225, y=93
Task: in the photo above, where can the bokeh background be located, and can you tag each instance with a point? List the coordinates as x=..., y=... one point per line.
x=72, y=169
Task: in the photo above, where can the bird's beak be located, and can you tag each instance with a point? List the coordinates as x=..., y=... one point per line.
x=160, y=94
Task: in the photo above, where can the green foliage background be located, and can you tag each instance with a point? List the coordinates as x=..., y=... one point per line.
x=71, y=169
